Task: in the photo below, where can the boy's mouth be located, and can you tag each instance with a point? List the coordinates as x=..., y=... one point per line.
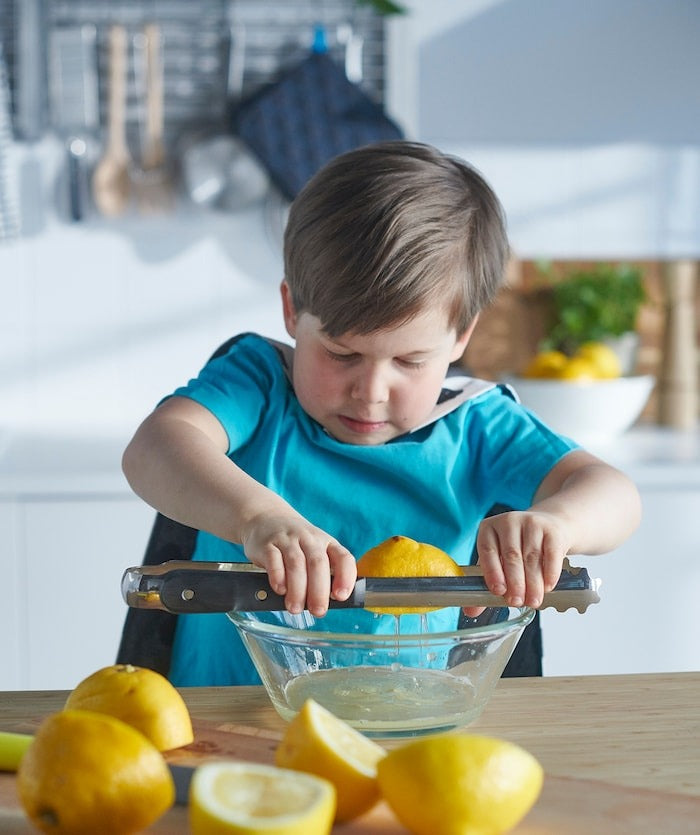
x=362, y=427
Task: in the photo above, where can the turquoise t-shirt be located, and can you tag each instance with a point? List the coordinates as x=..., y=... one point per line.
x=434, y=485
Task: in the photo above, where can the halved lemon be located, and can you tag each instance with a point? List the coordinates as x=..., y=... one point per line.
x=241, y=798
x=142, y=698
x=401, y=556
x=318, y=742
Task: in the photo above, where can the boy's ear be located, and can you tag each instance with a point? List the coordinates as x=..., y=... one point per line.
x=463, y=340
x=288, y=311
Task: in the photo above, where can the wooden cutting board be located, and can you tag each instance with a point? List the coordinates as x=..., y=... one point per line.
x=566, y=806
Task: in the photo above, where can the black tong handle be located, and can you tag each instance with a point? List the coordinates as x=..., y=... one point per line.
x=189, y=591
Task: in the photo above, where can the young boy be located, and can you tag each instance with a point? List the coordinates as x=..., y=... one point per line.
x=301, y=461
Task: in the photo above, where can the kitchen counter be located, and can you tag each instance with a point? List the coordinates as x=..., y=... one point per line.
x=634, y=737
x=656, y=456
x=43, y=465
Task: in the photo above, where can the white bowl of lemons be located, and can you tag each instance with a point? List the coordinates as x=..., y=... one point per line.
x=583, y=396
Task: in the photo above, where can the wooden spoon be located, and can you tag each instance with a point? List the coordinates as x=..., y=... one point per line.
x=153, y=183
x=111, y=184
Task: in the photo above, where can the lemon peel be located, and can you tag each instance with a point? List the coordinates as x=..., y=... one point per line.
x=87, y=772
x=460, y=784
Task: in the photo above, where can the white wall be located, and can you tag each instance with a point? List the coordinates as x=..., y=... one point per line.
x=585, y=117
x=100, y=319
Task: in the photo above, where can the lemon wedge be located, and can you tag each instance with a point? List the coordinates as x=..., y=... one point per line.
x=241, y=798
x=468, y=784
x=318, y=742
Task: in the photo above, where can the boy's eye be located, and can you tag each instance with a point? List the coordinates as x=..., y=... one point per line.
x=412, y=365
x=334, y=355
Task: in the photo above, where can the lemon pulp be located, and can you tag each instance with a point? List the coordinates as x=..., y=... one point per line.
x=242, y=798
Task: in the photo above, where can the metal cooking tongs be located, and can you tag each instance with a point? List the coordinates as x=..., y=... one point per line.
x=184, y=587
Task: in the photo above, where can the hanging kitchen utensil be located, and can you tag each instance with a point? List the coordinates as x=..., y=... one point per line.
x=309, y=115
x=218, y=170
x=9, y=217
x=186, y=587
x=153, y=180
x=111, y=182
x=74, y=104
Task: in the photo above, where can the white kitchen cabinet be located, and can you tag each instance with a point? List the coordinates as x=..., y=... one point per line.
x=645, y=621
x=66, y=612
x=13, y=606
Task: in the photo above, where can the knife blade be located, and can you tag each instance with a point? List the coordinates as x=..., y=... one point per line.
x=185, y=587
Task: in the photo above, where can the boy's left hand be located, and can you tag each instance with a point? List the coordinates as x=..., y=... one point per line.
x=521, y=554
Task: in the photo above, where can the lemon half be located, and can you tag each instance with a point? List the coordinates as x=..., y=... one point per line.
x=466, y=784
x=142, y=698
x=400, y=556
x=241, y=798
x=318, y=742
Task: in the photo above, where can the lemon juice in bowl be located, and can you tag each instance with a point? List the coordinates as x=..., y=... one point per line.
x=384, y=675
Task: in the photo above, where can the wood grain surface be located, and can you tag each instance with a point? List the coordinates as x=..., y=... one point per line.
x=637, y=735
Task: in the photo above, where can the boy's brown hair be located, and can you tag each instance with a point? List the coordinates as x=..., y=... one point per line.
x=389, y=229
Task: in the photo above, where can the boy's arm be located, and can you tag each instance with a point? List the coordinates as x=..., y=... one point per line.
x=177, y=463
x=583, y=506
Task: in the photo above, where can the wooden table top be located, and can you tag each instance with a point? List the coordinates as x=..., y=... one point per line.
x=630, y=730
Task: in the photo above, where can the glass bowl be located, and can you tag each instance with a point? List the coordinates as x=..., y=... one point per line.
x=404, y=681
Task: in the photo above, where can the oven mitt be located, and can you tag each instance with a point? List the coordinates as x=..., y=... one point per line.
x=306, y=117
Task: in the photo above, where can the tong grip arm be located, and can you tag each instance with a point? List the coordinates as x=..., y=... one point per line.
x=191, y=591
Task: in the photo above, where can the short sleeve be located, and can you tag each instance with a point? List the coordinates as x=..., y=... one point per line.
x=239, y=386
x=514, y=449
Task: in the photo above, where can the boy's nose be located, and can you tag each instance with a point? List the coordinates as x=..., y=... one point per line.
x=370, y=386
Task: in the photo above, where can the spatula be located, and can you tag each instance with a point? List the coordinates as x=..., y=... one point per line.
x=184, y=587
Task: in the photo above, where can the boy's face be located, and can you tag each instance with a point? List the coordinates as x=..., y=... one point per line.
x=367, y=389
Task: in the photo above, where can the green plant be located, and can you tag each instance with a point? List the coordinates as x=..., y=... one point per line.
x=385, y=7
x=591, y=305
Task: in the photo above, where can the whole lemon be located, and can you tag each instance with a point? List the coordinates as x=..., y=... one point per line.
x=86, y=773
x=318, y=742
x=460, y=785
x=401, y=556
x=142, y=698
x=603, y=357
x=545, y=365
x=578, y=370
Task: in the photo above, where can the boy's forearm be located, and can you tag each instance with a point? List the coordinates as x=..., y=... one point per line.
x=600, y=504
x=180, y=472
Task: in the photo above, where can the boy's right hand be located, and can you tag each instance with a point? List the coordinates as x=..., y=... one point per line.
x=303, y=562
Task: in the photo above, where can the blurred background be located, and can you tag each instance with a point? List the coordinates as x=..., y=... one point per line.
x=148, y=153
